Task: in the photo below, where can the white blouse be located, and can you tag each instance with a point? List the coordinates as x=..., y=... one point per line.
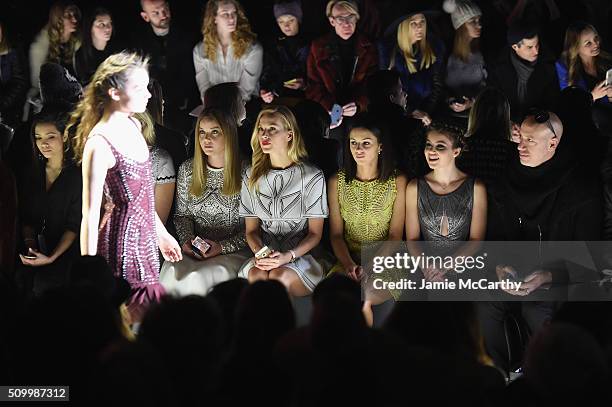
x=245, y=70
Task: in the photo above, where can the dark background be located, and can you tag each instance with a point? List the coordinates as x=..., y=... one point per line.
x=27, y=17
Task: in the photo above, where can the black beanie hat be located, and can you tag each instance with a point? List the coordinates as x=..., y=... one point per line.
x=58, y=85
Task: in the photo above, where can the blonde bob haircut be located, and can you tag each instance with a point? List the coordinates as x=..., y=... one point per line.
x=348, y=5
x=260, y=163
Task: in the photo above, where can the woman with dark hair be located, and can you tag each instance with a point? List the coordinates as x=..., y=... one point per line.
x=13, y=79
x=97, y=46
x=584, y=64
x=446, y=205
x=366, y=197
x=50, y=204
x=488, y=137
x=366, y=202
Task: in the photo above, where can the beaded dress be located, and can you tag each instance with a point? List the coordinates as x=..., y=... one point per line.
x=211, y=215
x=366, y=208
x=445, y=219
x=127, y=238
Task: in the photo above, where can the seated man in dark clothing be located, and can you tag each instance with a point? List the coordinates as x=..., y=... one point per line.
x=340, y=62
x=171, y=62
x=284, y=70
x=525, y=73
x=387, y=100
x=545, y=196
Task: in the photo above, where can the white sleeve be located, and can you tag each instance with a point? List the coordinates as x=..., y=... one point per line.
x=201, y=73
x=253, y=65
x=38, y=55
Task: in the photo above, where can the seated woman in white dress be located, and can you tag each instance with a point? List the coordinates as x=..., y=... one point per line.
x=207, y=202
x=284, y=201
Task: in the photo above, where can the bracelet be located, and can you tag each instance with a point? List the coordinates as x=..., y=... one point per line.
x=293, y=256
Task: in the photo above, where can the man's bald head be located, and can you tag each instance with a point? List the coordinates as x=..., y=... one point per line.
x=540, y=137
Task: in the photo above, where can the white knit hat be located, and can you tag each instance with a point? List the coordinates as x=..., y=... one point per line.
x=461, y=11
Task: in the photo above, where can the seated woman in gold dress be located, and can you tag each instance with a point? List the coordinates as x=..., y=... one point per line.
x=366, y=198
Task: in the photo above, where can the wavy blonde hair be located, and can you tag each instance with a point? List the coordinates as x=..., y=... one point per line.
x=55, y=28
x=404, y=43
x=113, y=73
x=232, y=178
x=260, y=163
x=571, y=55
x=242, y=37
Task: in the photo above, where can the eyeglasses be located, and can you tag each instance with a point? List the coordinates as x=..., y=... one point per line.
x=544, y=117
x=350, y=19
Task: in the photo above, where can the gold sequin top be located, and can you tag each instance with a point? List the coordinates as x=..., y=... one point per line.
x=366, y=208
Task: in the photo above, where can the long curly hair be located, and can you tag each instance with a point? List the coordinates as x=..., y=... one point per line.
x=571, y=56
x=242, y=38
x=112, y=73
x=55, y=28
x=260, y=163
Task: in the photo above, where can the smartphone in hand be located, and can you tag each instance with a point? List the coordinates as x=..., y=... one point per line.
x=263, y=253
x=336, y=114
x=609, y=77
x=199, y=246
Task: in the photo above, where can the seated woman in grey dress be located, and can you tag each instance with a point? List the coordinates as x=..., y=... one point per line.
x=446, y=205
x=207, y=202
x=284, y=201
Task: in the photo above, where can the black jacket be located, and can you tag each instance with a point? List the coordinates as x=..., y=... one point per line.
x=13, y=84
x=284, y=59
x=542, y=87
x=171, y=62
x=557, y=201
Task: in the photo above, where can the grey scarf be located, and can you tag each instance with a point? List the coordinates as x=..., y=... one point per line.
x=523, y=70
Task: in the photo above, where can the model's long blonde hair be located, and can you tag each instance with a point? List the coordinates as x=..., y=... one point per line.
x=404, y=43
x=231, y=168
x=55, y=28
x=112, y=73
x=242, y=38
x=571, y=55
x=147, y=126
x=260, y=164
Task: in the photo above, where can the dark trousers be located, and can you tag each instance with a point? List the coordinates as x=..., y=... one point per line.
x=492, y=316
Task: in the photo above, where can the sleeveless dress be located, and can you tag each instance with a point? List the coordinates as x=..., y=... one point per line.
x=127, y=238
x=366, y=208
x=453, y=210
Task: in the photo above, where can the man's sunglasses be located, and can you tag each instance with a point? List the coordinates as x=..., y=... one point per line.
x=542, y=116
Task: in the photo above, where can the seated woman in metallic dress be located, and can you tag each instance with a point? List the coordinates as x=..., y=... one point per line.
x=207, y=203
x=446, y=205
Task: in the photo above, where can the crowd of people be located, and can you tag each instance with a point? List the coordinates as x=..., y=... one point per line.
x=166, y=203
